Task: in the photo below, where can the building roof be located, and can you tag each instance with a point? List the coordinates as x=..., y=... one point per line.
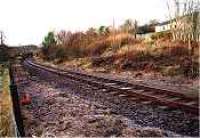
x=168, y=21
x=164, y=23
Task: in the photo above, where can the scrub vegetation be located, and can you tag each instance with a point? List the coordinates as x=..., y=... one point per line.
x=171, y=52
x=6, y=115
x=122, y=51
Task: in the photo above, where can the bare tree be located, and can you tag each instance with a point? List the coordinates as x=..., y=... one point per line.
x=184, y=17
x=187, y=23
x=129, y=26
x=63, y=37
x=135, y=28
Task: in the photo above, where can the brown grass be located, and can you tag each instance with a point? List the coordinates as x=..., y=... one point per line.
x=123, y=51
x=167, y=57
x=111, y=43
x=6, y=120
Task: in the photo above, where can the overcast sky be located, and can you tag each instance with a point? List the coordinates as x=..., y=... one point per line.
x=27, y=21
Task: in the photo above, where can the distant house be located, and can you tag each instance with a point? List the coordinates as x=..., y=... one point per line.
x=146, y=31
x=183, y=27
x=165, y=26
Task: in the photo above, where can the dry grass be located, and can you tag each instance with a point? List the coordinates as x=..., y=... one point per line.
x=123, y=51
x=111, y=43
x=6, y=120
x=164, y=56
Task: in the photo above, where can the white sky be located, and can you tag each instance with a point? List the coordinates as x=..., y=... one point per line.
x=28, y=21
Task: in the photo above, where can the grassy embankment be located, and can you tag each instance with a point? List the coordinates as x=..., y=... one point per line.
x=164, y=56
x=122, y=52
x=6, y=114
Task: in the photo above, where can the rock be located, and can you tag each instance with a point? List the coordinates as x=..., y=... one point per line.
x=51, y=123
x=138, y=74
x=112, y=132
x=150, y=133
x=101, y=70
x=129, y=132
x=64, y=126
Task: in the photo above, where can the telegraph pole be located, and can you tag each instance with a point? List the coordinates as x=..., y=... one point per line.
x=135, y=27
x=113, y=28
x=2, y=38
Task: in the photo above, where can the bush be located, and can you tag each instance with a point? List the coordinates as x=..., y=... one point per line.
x=161, y=35
x=61, y=53
x=125, y=52
x=170, y=70
x=98, y=48
x=189, y=68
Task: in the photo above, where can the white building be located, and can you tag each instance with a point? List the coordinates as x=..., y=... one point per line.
x=183, y=28
x=165, y=26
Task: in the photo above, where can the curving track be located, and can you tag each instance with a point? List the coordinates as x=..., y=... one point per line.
x=146, y=94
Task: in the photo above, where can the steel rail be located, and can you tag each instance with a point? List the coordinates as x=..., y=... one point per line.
x=159, y=96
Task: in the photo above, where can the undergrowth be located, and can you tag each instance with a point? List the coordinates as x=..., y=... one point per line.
x=123, y=52
x=6, y=120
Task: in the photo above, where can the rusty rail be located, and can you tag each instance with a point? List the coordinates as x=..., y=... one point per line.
x=155, y=95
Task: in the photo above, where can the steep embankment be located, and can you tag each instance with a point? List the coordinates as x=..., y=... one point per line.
x=7, y=124
x=155, y=59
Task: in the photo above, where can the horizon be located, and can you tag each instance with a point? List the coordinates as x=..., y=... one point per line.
x=27, y=22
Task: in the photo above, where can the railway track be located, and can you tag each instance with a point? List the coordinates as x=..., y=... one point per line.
x=146, y=94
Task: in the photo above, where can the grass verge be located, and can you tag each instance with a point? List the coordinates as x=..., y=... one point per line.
x=6, y=115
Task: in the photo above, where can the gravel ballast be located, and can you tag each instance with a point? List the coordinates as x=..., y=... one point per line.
x=63, y=108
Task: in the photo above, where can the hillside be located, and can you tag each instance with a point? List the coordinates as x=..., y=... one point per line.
x=122, y=52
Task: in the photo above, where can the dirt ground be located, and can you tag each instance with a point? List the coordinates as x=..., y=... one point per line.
x=61, y=107
x=55, y=112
